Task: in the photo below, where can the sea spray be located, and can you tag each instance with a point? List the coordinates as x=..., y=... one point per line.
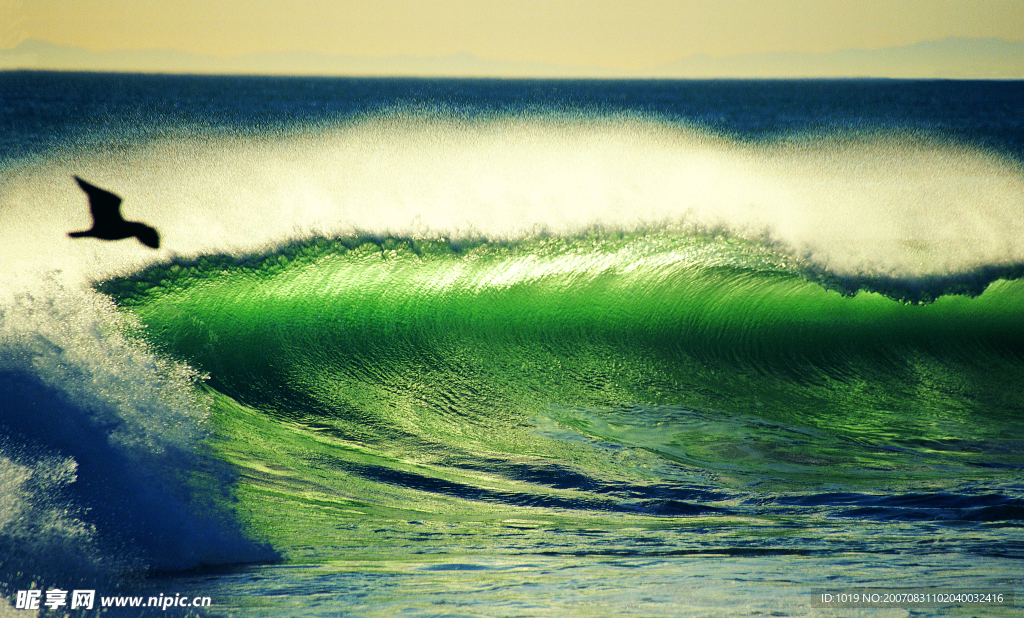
x=876, y=203
x=106, y=469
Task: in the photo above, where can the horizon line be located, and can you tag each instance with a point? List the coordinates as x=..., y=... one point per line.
x=954, y=58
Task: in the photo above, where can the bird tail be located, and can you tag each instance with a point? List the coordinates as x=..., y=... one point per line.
x=78, y=234
x=148, y=236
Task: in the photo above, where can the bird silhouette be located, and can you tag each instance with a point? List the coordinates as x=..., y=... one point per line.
x=107, y=222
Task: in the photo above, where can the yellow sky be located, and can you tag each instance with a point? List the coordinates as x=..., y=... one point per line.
x=621, y=35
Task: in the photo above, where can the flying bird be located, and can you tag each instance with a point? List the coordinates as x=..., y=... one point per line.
x=107, y=222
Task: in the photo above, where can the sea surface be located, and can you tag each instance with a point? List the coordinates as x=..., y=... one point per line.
x=513, y=348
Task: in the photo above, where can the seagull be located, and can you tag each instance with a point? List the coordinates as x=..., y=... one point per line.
x=107, y=222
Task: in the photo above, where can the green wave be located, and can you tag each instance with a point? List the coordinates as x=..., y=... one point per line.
x=363, y=330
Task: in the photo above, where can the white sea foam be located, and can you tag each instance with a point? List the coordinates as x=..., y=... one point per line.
x=102, y=449
x=893, y=203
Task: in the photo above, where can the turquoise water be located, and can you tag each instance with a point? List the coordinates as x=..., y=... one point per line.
x=516, y=363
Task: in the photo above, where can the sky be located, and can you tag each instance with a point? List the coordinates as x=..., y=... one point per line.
x=619, y=35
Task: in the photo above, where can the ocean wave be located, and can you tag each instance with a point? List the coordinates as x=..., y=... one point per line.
x=415, y=326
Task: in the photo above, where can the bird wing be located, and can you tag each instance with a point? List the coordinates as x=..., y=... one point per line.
x=105, y=206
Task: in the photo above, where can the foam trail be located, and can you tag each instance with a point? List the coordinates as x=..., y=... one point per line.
x=872, y=204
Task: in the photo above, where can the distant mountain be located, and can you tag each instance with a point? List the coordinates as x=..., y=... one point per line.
x=39, y=55
x=945, y=59
x=948, y=59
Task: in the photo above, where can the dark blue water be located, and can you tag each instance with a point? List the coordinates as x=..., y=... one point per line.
x=128, y=108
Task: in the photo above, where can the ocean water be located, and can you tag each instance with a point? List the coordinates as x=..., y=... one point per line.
x=513, y=348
